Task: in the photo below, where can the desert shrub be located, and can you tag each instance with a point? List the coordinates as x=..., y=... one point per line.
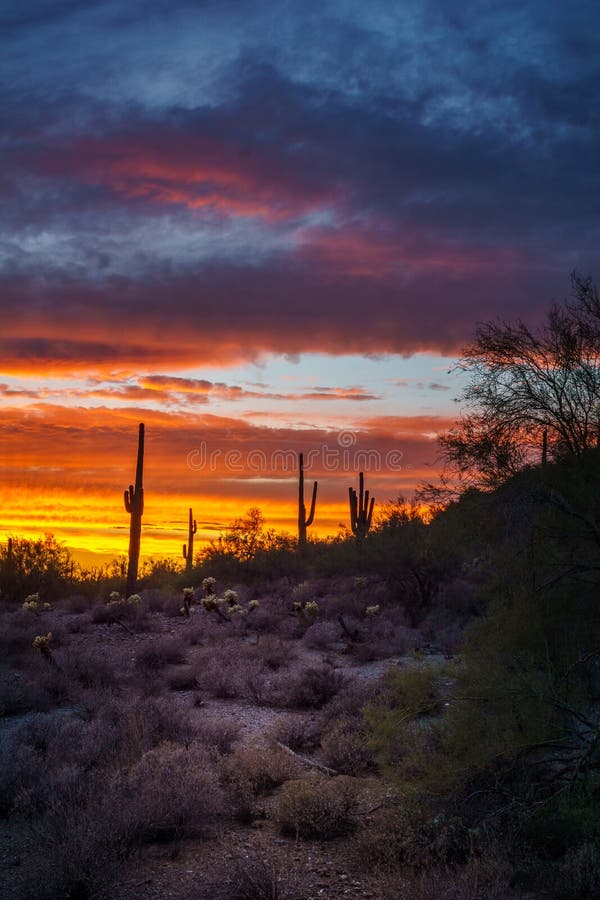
x=411, y=836
x=313, y=687
x=159, y=652
x=579, y=873
x=250, y=772
x=218, y=735
x=134, y=616
x=182, y=678
x=30, y=691
x=140, y=725
x=41, y=566
x=349, y=703
x=219, y=678
x=77, y=604
x=345, y=747
x=16, y=636
x=170, y=793
x=89, y=668
x=321, y=635
x=390, y=637
x=256, y=878
x=296, y=732
x=82, y=848
x=402, y=723
x=487, y=878
x=261, y=768
x=317, y=808
x=273, y=652
x=266, y=619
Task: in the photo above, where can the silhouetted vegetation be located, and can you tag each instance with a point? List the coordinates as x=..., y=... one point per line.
x=471, y=768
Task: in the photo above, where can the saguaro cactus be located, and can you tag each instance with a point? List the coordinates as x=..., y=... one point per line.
x=303, y=521
x=188, y=549
x=361, y=510
x=134, y=504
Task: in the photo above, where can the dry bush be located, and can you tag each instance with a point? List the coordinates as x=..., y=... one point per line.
x=258, y=878
x=345, y=747
x=299, y=733
x=348, y=703
x=88, y=667
x=218, y=735
x=140, y=725
x=81, y=850
x=321, y=635
x=171, y=606
x=480, y=879
x=76, y=604
x=273, y=652
x=408, y=837
x=182, y=678
x=159, y=652
x=217, y=677
x=318, y=808
x=134, y=615
x=253, y=771
x=311, y=688
x=38, y=689
x=172, y=792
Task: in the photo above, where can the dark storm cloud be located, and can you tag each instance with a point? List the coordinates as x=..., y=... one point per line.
x=219, y=175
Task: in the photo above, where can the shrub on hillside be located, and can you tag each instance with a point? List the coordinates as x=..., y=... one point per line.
x=318, y=808
x=159, y=652
x=311, y=688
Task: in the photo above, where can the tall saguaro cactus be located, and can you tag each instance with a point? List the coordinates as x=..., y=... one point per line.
x=361, y=510
x=134, y=504
x=303, y=521
x=188, y=549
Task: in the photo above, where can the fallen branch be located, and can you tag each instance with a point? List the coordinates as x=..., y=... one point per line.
x=308, y=762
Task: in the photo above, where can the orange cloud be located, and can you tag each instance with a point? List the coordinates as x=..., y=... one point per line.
x=64, y=470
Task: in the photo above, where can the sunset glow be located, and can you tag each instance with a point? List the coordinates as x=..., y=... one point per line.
x=259, y=244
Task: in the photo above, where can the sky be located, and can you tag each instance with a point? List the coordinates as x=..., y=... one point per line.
x=270, y=227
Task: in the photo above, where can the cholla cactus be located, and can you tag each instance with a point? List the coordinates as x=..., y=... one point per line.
x=372, y=611
x=311, y=609
x=114, y=597
x=231, y=598
x=227, y=607
x=46, y=607
x=42, y=643
x=32, y=603
x=188, y=599
x=307, y=612
x=134, y=600
x=360, y=582
x=208, y=585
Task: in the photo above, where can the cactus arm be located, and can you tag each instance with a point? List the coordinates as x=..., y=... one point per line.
x=127, y=498
x=361, y=509
x=353, y=509
x=370, y=515
x=313, y=503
